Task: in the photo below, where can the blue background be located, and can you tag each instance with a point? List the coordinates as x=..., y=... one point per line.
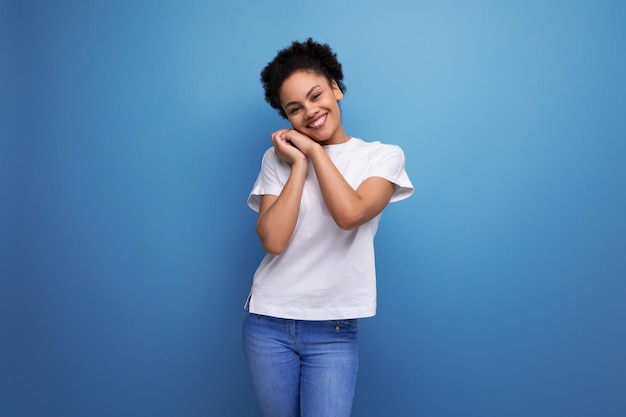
x=132, y=132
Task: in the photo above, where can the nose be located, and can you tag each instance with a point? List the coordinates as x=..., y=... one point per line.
x=311, y=110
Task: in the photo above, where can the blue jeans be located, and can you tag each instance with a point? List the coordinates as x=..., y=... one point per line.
x=302, y=368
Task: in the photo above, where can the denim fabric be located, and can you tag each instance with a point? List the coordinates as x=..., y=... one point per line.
x=302, y=368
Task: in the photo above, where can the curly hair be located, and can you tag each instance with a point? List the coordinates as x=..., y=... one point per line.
x=309, y=55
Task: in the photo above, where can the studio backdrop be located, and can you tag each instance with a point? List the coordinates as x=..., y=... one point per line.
x=132, y=132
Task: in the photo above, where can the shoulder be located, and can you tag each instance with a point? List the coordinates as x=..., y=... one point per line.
x=269, y=154
x=377, y=148
x=270, y=158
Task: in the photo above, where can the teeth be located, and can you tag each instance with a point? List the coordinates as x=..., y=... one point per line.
x=318, y=122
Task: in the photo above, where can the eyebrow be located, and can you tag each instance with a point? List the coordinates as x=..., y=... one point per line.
x=291, y=103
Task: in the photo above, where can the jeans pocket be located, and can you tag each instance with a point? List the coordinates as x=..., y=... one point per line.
x=346, y=324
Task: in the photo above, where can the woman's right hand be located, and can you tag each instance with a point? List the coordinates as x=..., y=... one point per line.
x=284, y=149
x=278, y=215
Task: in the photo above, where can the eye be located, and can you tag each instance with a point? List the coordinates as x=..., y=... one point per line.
x=294, y=110
x=316, y=96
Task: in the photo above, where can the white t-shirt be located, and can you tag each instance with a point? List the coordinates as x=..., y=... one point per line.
x=325, y=273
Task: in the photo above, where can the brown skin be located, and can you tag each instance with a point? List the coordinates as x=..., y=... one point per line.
x=312, y=107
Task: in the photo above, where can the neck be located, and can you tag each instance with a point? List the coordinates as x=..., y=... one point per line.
x=339, y=137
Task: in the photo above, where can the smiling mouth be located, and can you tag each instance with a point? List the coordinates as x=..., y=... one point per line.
x=319, y=122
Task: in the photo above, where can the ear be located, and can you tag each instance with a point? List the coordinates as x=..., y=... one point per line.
x=336, y=90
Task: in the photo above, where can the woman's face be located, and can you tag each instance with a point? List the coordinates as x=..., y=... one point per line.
x=312, y=108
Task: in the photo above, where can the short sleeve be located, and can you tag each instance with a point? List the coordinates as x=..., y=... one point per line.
x=389, y=164
x=268, y=180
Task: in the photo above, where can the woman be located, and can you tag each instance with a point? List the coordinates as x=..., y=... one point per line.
x=319, y=197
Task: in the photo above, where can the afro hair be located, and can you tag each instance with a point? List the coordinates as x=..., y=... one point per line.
x=307, y=56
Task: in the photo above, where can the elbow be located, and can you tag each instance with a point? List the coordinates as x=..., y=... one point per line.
x=347, y=226
x=274, y=248
x=347, y=222
x=273, y=251
x=271, y=244
x=350, y=220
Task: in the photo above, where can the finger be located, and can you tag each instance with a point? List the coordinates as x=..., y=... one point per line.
x=276, y=134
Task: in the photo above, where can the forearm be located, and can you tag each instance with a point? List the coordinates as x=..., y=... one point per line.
x=344, y=203
x=278, y=216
